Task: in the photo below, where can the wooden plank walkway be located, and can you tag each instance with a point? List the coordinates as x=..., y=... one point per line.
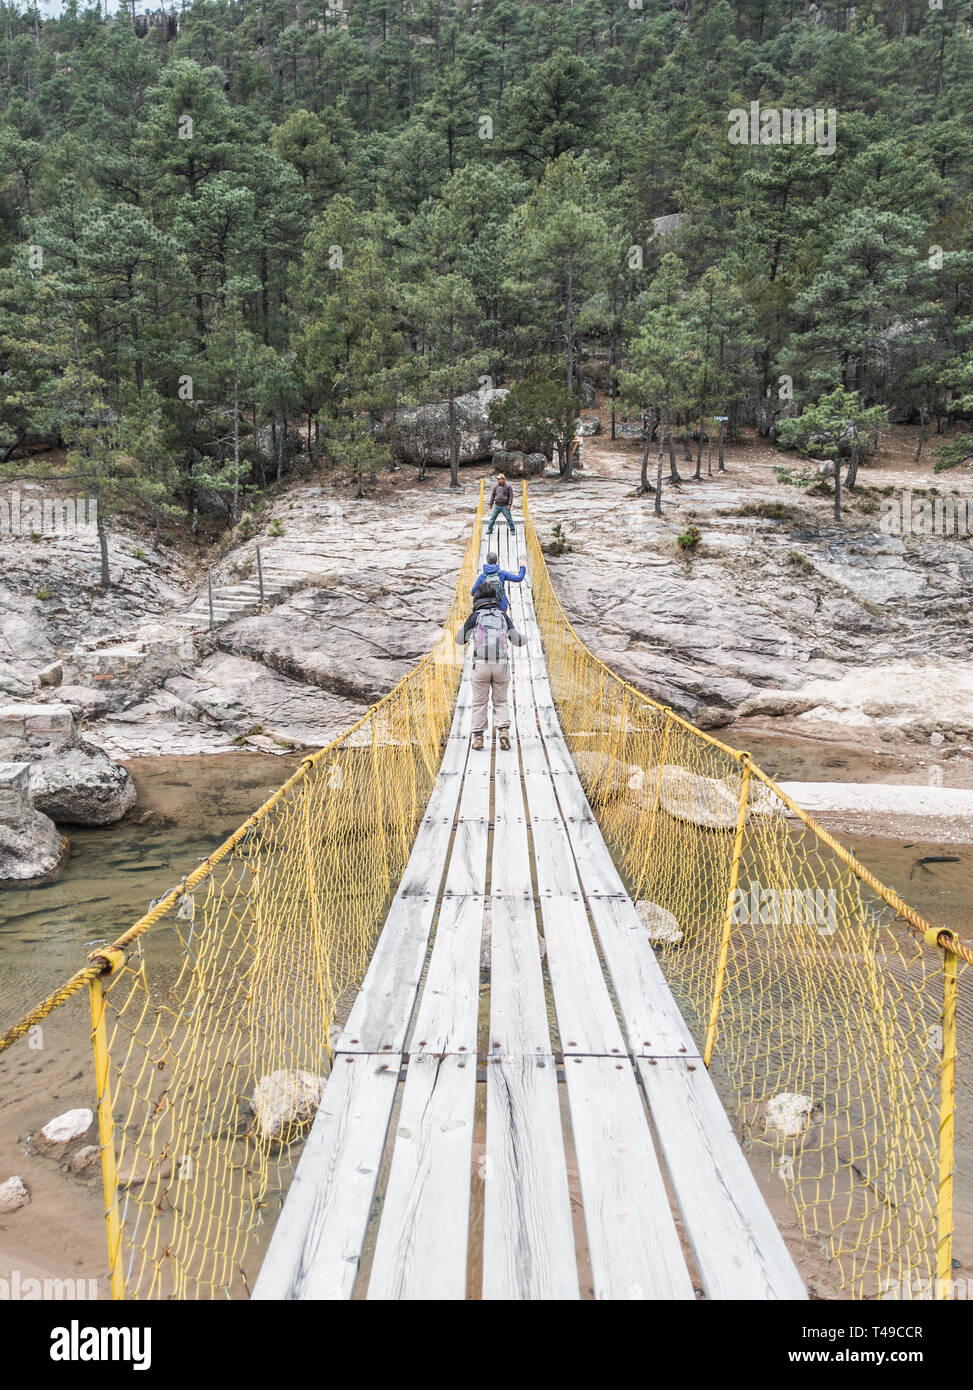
x=512, y=959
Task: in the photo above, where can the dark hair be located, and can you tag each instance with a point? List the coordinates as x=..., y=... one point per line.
x=492, y=558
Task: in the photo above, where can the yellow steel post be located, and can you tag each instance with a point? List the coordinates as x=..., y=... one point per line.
x=106, y=1124
x=947, y=1113
x=730, y=905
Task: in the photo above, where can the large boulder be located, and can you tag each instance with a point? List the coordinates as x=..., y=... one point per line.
x=30, y=845
x=516, y=464
x=82, y=788
x=422, y=435
x=68, y=779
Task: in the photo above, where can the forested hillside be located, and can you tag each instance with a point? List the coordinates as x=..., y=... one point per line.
x=242, y=238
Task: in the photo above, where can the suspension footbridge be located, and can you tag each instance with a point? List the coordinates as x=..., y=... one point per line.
x=509, y=838
x=439, y=1023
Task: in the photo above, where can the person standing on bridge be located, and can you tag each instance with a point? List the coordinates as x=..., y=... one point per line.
x=493, y=633
x=501, y=500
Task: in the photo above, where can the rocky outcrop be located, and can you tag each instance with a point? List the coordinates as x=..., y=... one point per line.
x=30, y=845
x=82, y=787
x=69, y=780
x=661, y=927
x=789, y=1114
x=128, y=671
x=422, y=435
x=516, y=464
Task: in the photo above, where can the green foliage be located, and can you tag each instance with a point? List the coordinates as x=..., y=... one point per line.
x=559, y=544
x=957, y=451
x=688, y=540
x=828, y=422
x=534, y=414
x=318, y=216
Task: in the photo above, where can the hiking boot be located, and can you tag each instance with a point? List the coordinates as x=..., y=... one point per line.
x=478, y=740
x=504, y=737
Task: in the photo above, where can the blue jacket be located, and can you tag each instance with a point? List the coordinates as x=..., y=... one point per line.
x=504, y=575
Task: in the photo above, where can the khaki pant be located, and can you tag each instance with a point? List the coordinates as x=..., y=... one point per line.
x=487, y=676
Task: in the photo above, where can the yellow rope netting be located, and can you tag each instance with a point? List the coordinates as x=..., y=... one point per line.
x=224, y=995
x=820, y=994
x=821, y=997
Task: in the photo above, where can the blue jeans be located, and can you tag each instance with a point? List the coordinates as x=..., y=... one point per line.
x=500, y=511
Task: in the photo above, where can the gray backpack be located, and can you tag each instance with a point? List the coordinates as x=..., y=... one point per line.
x=490, y=637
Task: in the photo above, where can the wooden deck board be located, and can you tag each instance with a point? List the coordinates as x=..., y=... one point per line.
x=736, y=1245
x=421, y=1248
x=317, y=1244
x=528, y=1239
x=632, y=1239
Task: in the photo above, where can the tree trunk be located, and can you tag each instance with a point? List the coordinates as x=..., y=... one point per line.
x=922, y=435
x=645, y=487
x=658, y=474
x=852, y=475
x=837, y=489
x=103, y=545
x=566, y=470
x=720, y=467
x=699, y=453
x=673, y=470
x=453, y=442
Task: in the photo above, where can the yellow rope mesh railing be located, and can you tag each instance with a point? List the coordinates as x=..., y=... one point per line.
x=229, y=988
x=819, y=997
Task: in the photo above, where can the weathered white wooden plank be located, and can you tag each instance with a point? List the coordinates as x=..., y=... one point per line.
x=528, y=1241
x=466, y=872
x=556, y=874
x=510, y=871
x=448, y=1006
x=592, y=856
x=518, y=1007
x=421, y=1248
x=632, y=1239
x=737, y=1247
x=585, y=1017
x=379, y=1017
x=650, y=1015
x=316, y=1247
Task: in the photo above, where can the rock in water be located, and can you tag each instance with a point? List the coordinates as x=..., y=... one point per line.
x=662, y=927
x=13, y=1194
x=711, y=802
x=85, y=1160
x=69, y=780
x=30, y=845
x=284, y=1100
x=790, y=1114
x=82, y=788
x=605, y=778
x=63, y=1130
